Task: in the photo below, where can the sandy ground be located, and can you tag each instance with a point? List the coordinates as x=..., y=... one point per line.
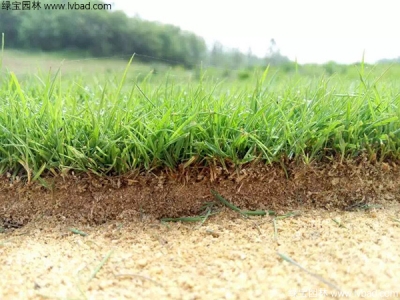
x=228, y=257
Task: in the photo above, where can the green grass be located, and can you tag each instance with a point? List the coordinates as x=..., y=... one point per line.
x=116, y=123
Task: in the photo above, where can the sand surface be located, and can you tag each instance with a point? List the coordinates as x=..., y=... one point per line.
x=228, y=257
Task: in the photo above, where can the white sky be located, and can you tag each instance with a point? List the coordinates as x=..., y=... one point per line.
x=309, y=30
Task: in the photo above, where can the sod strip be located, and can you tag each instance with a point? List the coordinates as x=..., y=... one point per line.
x=112, y=127
x=289, y=260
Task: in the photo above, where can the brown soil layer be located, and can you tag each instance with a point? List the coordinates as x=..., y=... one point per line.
x=96, y=200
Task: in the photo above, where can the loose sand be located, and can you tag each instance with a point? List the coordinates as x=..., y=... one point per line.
x=228, y=257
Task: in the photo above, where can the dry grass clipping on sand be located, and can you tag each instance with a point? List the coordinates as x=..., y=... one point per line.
x=228, y=257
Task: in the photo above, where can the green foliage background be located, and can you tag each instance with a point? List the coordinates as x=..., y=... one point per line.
x=99, y=33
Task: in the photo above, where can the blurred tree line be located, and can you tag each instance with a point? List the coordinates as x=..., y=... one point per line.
x=101, y=33
x=235, y=59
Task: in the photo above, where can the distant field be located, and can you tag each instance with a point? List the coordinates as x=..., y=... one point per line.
x=23, y=63
x=74, y=65
x=102, y=116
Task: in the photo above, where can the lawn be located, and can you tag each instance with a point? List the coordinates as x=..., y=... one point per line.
x=114, y=116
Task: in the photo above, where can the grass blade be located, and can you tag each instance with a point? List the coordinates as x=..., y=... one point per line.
x=288, y=215
x=183, y=219
x=339, y=223
x=291, y=261
x=258, y=212
x=208, y=213
x=102, y=263
x=227, y=203
x=76, y=231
